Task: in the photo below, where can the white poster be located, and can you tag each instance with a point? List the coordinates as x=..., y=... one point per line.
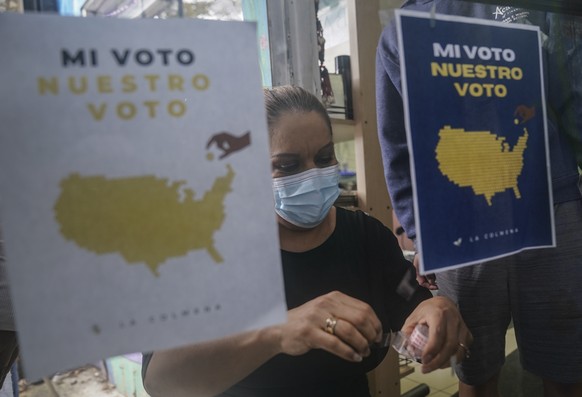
x=135, y=187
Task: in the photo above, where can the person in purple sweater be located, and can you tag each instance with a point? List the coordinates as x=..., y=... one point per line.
x=538, y=289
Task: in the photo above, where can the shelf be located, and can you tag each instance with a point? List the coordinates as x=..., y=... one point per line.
x=405, y=370
x=343, y=130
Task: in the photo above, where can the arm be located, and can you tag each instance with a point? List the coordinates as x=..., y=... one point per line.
x=393, y=141
x=391, y=130
x=209, y=368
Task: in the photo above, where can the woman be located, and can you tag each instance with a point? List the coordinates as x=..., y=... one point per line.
x=342, y=271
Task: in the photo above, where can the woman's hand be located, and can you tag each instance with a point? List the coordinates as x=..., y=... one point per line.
x=447, y=333
x=356, y=327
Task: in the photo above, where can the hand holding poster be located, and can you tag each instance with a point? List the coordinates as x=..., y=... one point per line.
x=476, y=128
x=135, y=186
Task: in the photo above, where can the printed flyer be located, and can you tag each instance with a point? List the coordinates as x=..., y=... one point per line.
x=476, y=128
x=135, y=186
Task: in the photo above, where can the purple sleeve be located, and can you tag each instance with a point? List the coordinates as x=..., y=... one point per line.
x=391, y=130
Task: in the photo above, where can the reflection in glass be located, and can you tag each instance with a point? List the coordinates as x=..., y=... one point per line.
x=216, y=9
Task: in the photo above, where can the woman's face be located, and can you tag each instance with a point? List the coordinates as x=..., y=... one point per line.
x=299, y=142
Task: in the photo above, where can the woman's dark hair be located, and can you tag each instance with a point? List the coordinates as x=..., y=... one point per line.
x=291, y=99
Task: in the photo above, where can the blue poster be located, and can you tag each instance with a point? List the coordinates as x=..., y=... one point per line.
x=476, y=127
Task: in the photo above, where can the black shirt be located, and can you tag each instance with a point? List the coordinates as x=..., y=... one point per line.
x=362, y=259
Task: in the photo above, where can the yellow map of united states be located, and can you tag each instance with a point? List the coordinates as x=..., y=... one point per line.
x=480, y=160
x=144, y=218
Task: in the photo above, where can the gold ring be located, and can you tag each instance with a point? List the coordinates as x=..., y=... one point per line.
x=330, y=324
x=466, y=349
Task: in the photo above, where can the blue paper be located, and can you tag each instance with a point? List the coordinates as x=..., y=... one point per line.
x=476, y=125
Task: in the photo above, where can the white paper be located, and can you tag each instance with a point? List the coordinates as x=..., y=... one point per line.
x=112, y=246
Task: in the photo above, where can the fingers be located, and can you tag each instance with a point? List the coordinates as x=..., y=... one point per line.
x=212, y=139
x=454, y=350
x=335, y=322
x=431, y=278
x=427, y=282
x=355, y=312
x=229, y=143
x=222, y=140
x=347, y=341
x=463, y=352
x=443, y=343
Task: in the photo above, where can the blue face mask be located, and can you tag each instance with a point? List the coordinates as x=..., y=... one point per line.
x=305, y=199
